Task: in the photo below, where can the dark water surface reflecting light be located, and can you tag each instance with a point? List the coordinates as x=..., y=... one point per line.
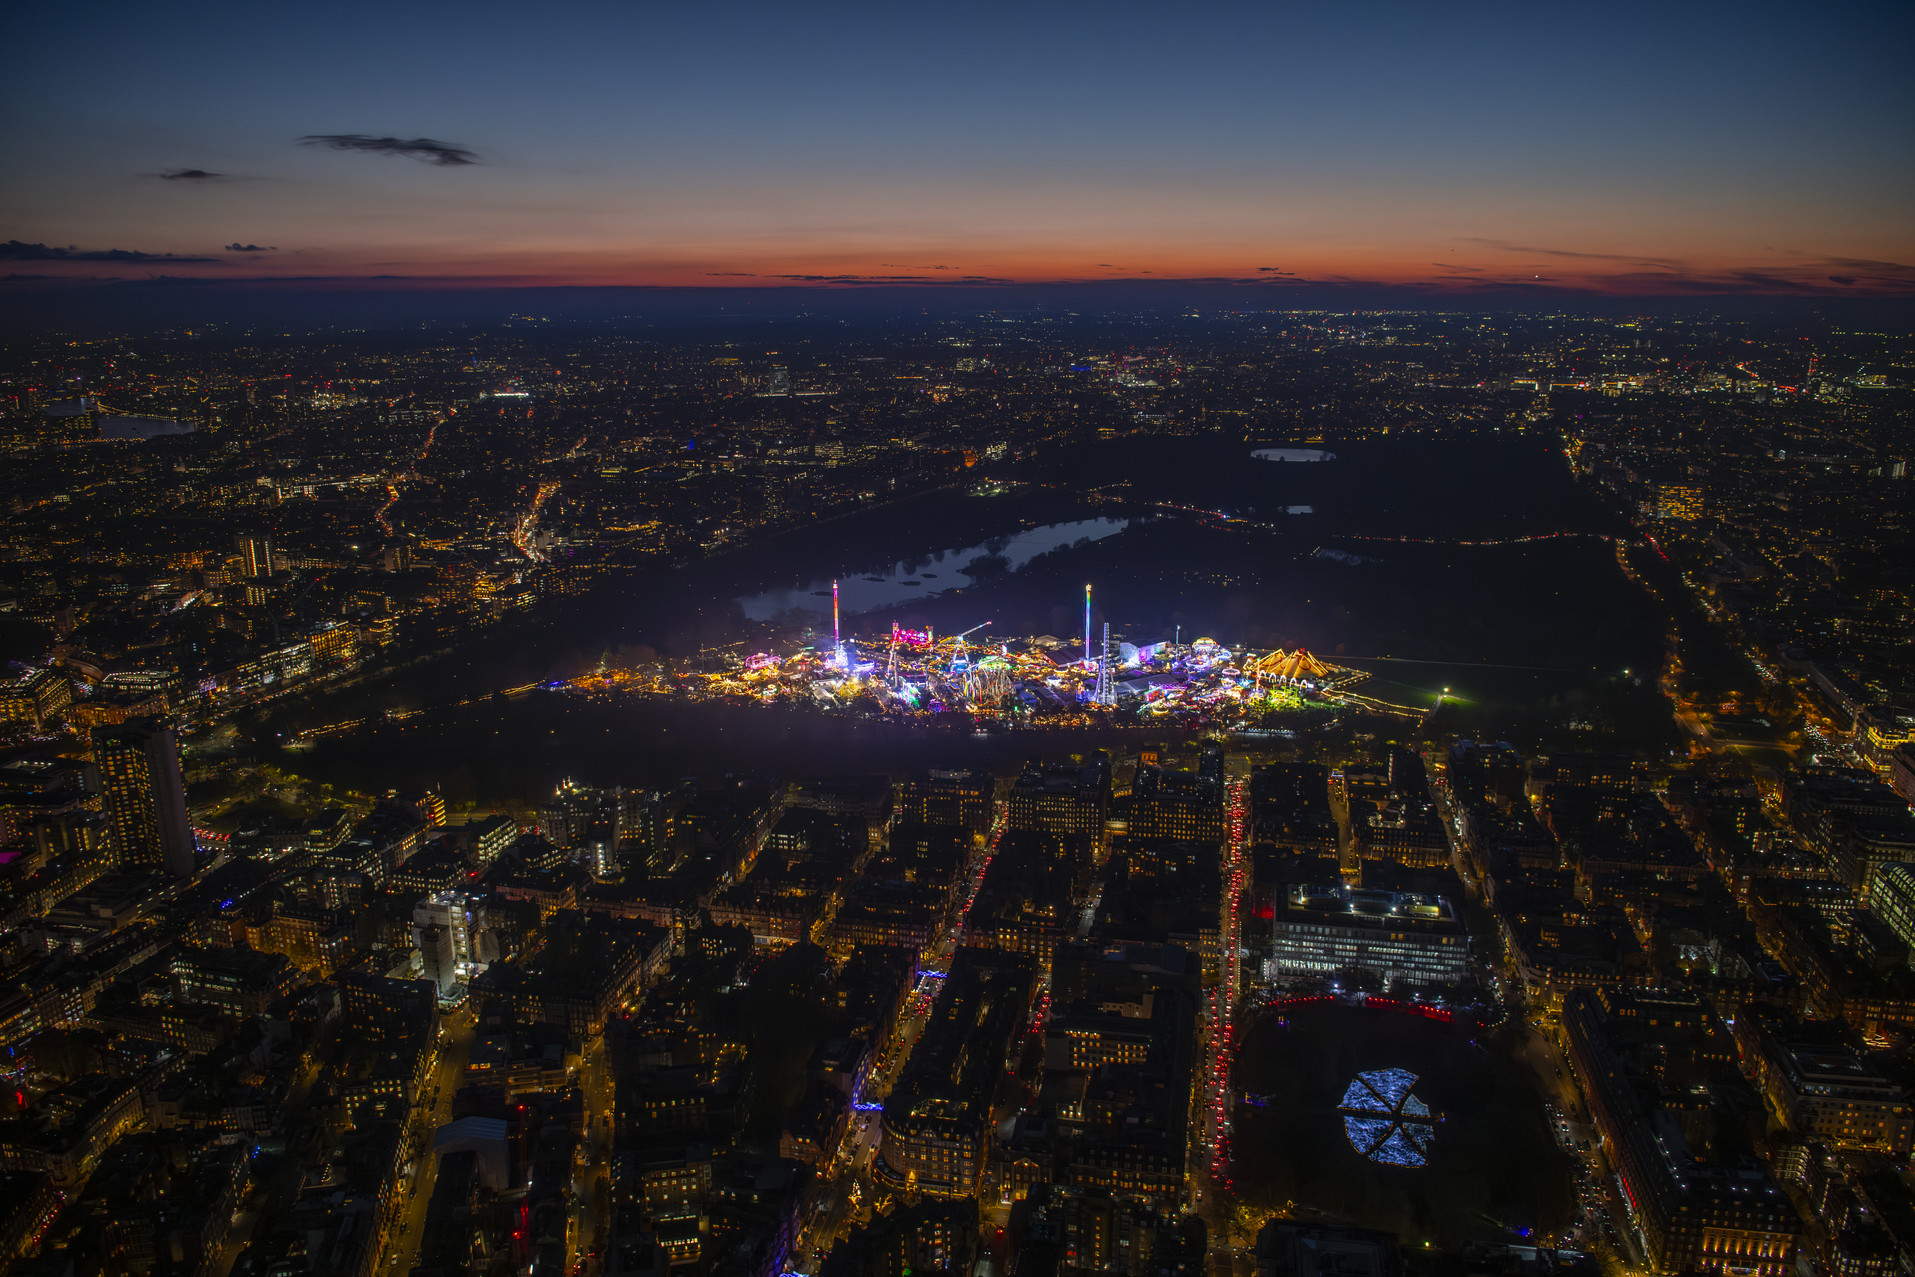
x=927, y=576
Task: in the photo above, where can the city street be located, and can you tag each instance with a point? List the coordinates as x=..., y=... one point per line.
x=280, y=1184
x=843, y=1192
x=433, y=1110
x=1210, y=1128
x=591, y=1203
x=845, y=1195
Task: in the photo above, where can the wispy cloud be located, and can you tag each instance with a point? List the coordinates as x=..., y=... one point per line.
x=1806, y=278
x=1507, y=247
x=237, y=247
x=1849, y=271
x=16, y=251
x=870, y=280
x=424, y=149
x=190, y=175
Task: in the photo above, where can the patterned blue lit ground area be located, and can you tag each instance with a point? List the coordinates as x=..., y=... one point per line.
x=1385, y=1121
x=1394, y=1121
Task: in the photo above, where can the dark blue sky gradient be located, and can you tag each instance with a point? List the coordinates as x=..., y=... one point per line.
x=1654, y=148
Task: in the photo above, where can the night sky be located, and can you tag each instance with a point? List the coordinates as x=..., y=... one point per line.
x=1655, y=149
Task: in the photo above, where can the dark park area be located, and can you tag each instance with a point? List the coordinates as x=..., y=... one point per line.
x=1492, y=1170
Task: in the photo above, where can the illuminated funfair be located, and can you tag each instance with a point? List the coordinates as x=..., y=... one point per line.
x=837, y=639
x=960, y=654
x=1290, y=668
x=1104, y=695
x=1087, y=625
x=923, y=673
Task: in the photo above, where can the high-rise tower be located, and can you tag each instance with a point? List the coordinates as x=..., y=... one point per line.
x=143, y=796
x=257, y=556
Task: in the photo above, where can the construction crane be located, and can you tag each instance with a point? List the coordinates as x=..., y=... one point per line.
x=960, y=654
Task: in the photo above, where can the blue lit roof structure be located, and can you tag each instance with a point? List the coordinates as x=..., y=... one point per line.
x=1384, y=1121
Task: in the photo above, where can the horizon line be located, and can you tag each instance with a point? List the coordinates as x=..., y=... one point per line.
x=1442, y=289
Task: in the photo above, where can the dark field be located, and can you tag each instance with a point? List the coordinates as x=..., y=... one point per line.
x=1494, y=1168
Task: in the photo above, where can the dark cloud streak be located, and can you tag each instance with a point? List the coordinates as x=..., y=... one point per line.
x=425, y=149
x=16, y=251
x=867, y=281
x=1507, y=247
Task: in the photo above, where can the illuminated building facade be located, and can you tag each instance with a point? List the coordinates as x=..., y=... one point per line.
x=36, y=697
x=930, y=1237
x=937, y=1120
x=1127, y=1128
x=1061, y=798
x=256, y=557
x=1692, y=1214
x=1402, y=936
x=488, y=838
x=1893, y=901
x=450, y=929
x=143, y=796
x=588, y=823
x=1820, y=1085
x=1678, y=501
x=1885, y=729
x=898, y=915
x=644, y=831
x=1025, y=903
x=947, y=797
x=1177, y=805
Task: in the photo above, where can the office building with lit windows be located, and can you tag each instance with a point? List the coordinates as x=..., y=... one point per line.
x=36, y=696
x=256, y=557
x=1404, y=937
x=449, y=927
x=1061, y=798
x=1176, y=805
x=143, y=796
x=1893, y=901
x=1820, y=1085
x=947, y=798
x=588, y=823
